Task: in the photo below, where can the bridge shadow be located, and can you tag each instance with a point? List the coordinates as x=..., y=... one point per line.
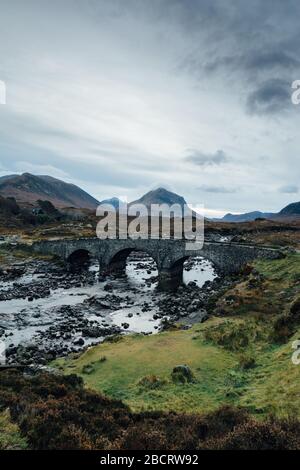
x=79, y=260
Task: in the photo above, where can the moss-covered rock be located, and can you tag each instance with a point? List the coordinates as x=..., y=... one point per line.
x=182, y=374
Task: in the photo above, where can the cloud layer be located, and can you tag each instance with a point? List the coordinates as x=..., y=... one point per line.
x=120, y=97
x=204, y=159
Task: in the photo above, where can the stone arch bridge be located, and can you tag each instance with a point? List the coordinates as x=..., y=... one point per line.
x=169, y=255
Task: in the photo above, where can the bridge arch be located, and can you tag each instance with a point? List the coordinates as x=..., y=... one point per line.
x=80, y=256
x=118, y=260
x=215, y=261
x=173, y=275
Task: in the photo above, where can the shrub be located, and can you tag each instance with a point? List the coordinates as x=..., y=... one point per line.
x=285, y=325
x=151, y=382
x=246, y=361
x=57, y=412
x=87, y=369
x=254, y=435
x=143, y=437
x=113, y=339
x=10, y=438
x=234, y=336
x=295, y=309
x=282, y=329
x=182, y=375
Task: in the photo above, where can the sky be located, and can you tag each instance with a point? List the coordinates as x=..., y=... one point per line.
x=121, y=97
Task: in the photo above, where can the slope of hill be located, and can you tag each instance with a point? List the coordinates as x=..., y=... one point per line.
x=6, y=177
x=247, y=217
x=28, y=188
x=291, y=209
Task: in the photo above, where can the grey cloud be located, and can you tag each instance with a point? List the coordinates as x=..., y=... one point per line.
x=289, y=189
x=204, y=159
x=269, y=60
x=217, y=189
x=272, y=96
x=246, y=47
x=264, y=158
x=254, y=61
x=64, y=112
x=271, y=71
x=98, y=171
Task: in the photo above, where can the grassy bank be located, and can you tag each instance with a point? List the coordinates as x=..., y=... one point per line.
x=138, y=370
x=153, y=358
x=11, y=255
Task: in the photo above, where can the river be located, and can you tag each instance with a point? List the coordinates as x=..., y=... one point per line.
x=130, y=303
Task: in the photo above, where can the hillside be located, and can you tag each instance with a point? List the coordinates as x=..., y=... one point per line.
x=291, y=209
x=28, y=188
x=247, y=217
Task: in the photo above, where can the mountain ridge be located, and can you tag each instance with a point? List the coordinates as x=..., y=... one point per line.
x=28, y=189
x=246, y=217
x=291, y=210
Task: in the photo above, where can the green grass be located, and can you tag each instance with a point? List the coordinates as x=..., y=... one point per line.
x=136, y=356
x=10, y=438
x=285, y=270
x=272, y=296
x=138, y=368
x=272, y=385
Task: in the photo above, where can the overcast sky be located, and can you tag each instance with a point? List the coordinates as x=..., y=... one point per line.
x=120, y=97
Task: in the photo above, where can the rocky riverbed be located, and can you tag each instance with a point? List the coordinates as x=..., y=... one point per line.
x=47, y=311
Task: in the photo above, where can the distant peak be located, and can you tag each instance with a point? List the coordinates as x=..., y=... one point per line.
x=160, y=196
x=161, y=190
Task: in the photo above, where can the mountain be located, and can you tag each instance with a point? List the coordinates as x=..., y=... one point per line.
x=163, y=196
x=291, y=209
x=288, y=211
x=28, y=189
x=6, y=177
x=160, y=196
x=113, y=201
x=248, y=216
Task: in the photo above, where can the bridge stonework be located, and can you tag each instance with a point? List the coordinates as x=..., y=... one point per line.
x=169, y=255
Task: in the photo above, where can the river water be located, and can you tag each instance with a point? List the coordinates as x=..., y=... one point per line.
x=23, y=321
